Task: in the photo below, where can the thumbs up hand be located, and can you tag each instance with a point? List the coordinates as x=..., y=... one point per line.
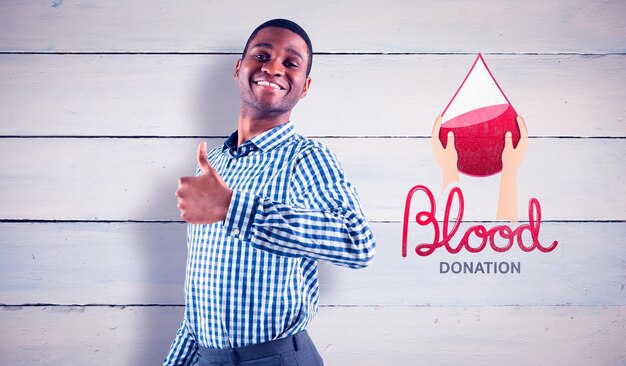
x=203, y=199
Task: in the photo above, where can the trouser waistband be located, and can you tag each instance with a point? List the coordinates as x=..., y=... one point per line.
x=255, y=351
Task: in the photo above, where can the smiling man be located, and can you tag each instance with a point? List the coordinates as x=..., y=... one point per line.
x=264, y=208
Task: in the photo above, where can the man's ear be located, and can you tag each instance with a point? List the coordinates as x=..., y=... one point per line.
x=237, y=66
x=305, y=89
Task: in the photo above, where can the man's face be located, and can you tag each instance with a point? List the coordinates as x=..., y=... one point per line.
x=272, y=74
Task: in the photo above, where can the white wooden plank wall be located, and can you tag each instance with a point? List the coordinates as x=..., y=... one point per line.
x=103, y=103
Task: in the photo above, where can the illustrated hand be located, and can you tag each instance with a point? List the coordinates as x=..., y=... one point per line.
x=511, y=161
x=203, y=199
x=446, y=157
x=512, y=157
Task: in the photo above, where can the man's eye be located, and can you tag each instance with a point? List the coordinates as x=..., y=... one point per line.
x=291, y=64
x=261, y=57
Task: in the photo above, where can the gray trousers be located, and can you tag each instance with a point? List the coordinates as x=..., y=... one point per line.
x=296, y=350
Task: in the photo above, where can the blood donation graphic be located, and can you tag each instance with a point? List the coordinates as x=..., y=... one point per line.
x=479, y=134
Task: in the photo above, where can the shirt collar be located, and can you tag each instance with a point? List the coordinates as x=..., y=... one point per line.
x=265, y=141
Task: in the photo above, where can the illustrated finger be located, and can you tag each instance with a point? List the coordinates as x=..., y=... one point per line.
x=521, y=123
x=450, y=143
x=437, y=126
x=508, y=141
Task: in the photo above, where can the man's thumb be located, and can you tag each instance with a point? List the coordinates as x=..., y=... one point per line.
x=203, y=162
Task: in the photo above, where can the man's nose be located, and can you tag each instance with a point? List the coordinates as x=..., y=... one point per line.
x=273, y=67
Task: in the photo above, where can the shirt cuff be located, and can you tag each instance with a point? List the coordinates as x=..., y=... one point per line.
x=240, y=215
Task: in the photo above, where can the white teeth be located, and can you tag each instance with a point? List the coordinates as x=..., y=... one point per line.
x=267, y=83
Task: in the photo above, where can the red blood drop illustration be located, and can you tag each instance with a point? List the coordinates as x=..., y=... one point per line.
x=479, y=115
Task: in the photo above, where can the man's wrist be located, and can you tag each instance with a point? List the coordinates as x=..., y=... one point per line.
x=225, y=207
x=240, y=215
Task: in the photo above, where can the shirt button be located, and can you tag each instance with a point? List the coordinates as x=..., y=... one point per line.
x=236, y=231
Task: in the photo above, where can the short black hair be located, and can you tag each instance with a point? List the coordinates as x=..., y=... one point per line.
x=289, y=25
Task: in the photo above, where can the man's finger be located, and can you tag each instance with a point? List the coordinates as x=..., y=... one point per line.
x=203, y=162
x=182, y=182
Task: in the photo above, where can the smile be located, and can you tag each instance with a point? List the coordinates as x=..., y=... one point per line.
x=268, y=84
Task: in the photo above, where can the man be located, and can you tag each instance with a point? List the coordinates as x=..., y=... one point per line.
x=263, y=209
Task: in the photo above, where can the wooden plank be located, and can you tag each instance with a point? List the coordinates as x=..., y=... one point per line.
x=362, y=95
x=132, y=263
x=118, y=95
x=77, y=335
x=135, y=179
x=113, y=186
x=344, y=336
x=89, y=263
x=472, y=336
x=374, y=26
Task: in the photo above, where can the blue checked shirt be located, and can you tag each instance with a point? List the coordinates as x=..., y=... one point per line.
x=253, y=277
